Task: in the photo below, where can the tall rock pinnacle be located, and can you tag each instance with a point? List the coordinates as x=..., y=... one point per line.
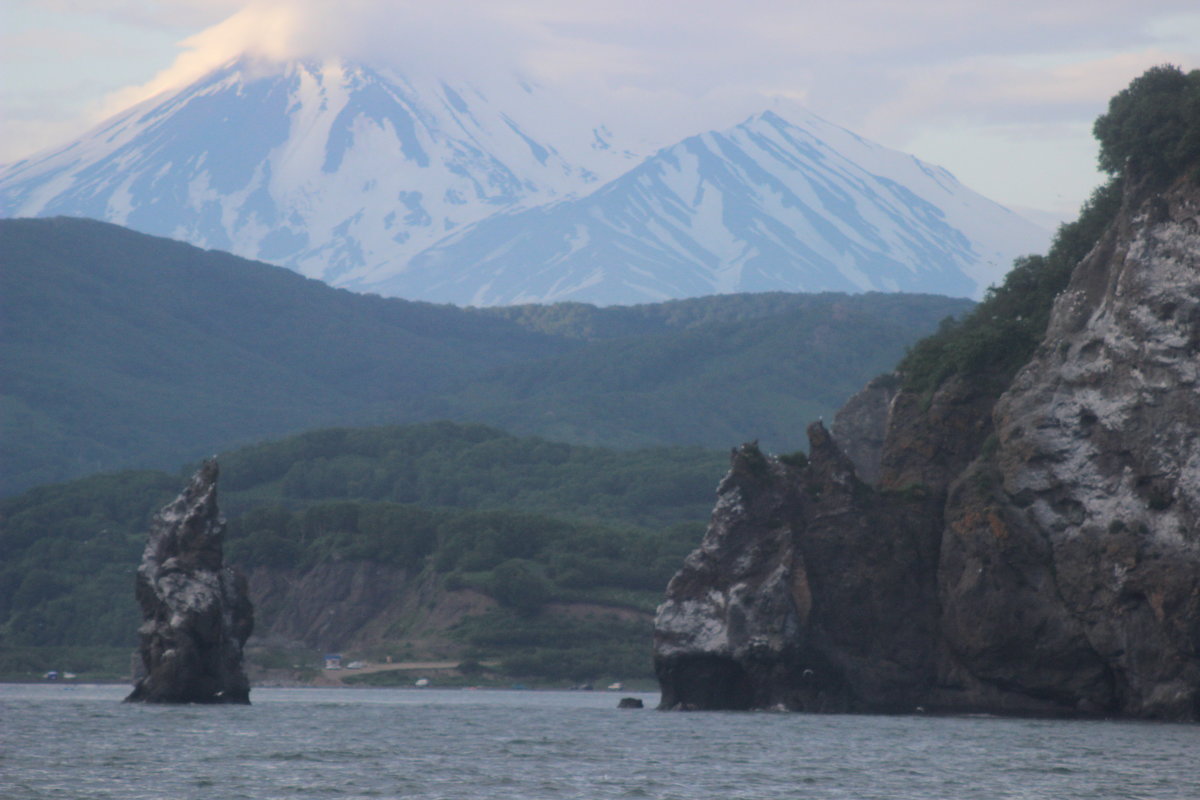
x=196, y=612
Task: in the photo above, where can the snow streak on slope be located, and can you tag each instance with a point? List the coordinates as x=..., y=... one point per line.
x=767, y=205
x=334, y=169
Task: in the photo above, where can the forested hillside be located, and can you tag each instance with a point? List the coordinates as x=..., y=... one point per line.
x=119, y=350
x=520, y=526
x=714, y=371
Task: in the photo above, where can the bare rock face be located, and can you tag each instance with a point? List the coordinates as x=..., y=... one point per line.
x=196, y=613
x=726, y=637
x=860, y=426
x=1035, y=554
x=930, y=441
x=1084, y=528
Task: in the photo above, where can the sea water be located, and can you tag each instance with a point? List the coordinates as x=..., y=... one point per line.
x=81, y=742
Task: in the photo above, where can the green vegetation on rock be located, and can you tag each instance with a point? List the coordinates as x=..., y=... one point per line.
x=1150, y=132
x=999, y=335
x=1152, y=127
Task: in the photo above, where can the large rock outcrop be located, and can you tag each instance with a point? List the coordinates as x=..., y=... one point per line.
x=1078, y=541
x=805, y=594
x=1037, y=553
x=196, y=612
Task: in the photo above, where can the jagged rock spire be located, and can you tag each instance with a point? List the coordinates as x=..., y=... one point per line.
x=196, y=612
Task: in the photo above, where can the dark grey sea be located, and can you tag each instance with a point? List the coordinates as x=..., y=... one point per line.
x=79, y=742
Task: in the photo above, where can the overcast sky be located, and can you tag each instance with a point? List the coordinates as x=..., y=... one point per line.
x=1001, y=93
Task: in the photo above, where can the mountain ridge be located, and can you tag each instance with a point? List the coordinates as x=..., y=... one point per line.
x=281, y=162
x=121, y=349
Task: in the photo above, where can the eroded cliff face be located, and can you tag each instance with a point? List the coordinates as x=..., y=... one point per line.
x=1082, y=528
x=1038, y=554
x=351, y=605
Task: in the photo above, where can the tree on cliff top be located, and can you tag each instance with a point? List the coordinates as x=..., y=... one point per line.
x=1152, y=126
x=1151, y=130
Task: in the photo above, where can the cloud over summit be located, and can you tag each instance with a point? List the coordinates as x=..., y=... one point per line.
x=458, y=39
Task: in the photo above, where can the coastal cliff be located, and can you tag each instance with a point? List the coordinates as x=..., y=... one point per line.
x=1076, y=542
x=1032, y=550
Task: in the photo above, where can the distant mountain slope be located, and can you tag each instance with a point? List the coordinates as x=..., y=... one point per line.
x=727, y=379
x=119, y=350
x=767, y=205
x=499, y=191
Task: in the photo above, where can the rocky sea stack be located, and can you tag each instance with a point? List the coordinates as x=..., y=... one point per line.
x=1023, y=542
x=196, y=611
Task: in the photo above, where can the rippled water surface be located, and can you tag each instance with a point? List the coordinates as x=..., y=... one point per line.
x=81, y=742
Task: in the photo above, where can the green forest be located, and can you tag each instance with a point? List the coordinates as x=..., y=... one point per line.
x=120, y=351
x=522, y=520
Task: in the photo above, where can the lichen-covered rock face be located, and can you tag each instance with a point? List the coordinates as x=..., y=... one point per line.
x=1035, y=554
x=195, y=610
x=1084, y=528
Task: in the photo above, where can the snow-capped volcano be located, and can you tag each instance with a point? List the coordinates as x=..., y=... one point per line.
x=503, y=192
x=337, y=170
x=767, y=205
